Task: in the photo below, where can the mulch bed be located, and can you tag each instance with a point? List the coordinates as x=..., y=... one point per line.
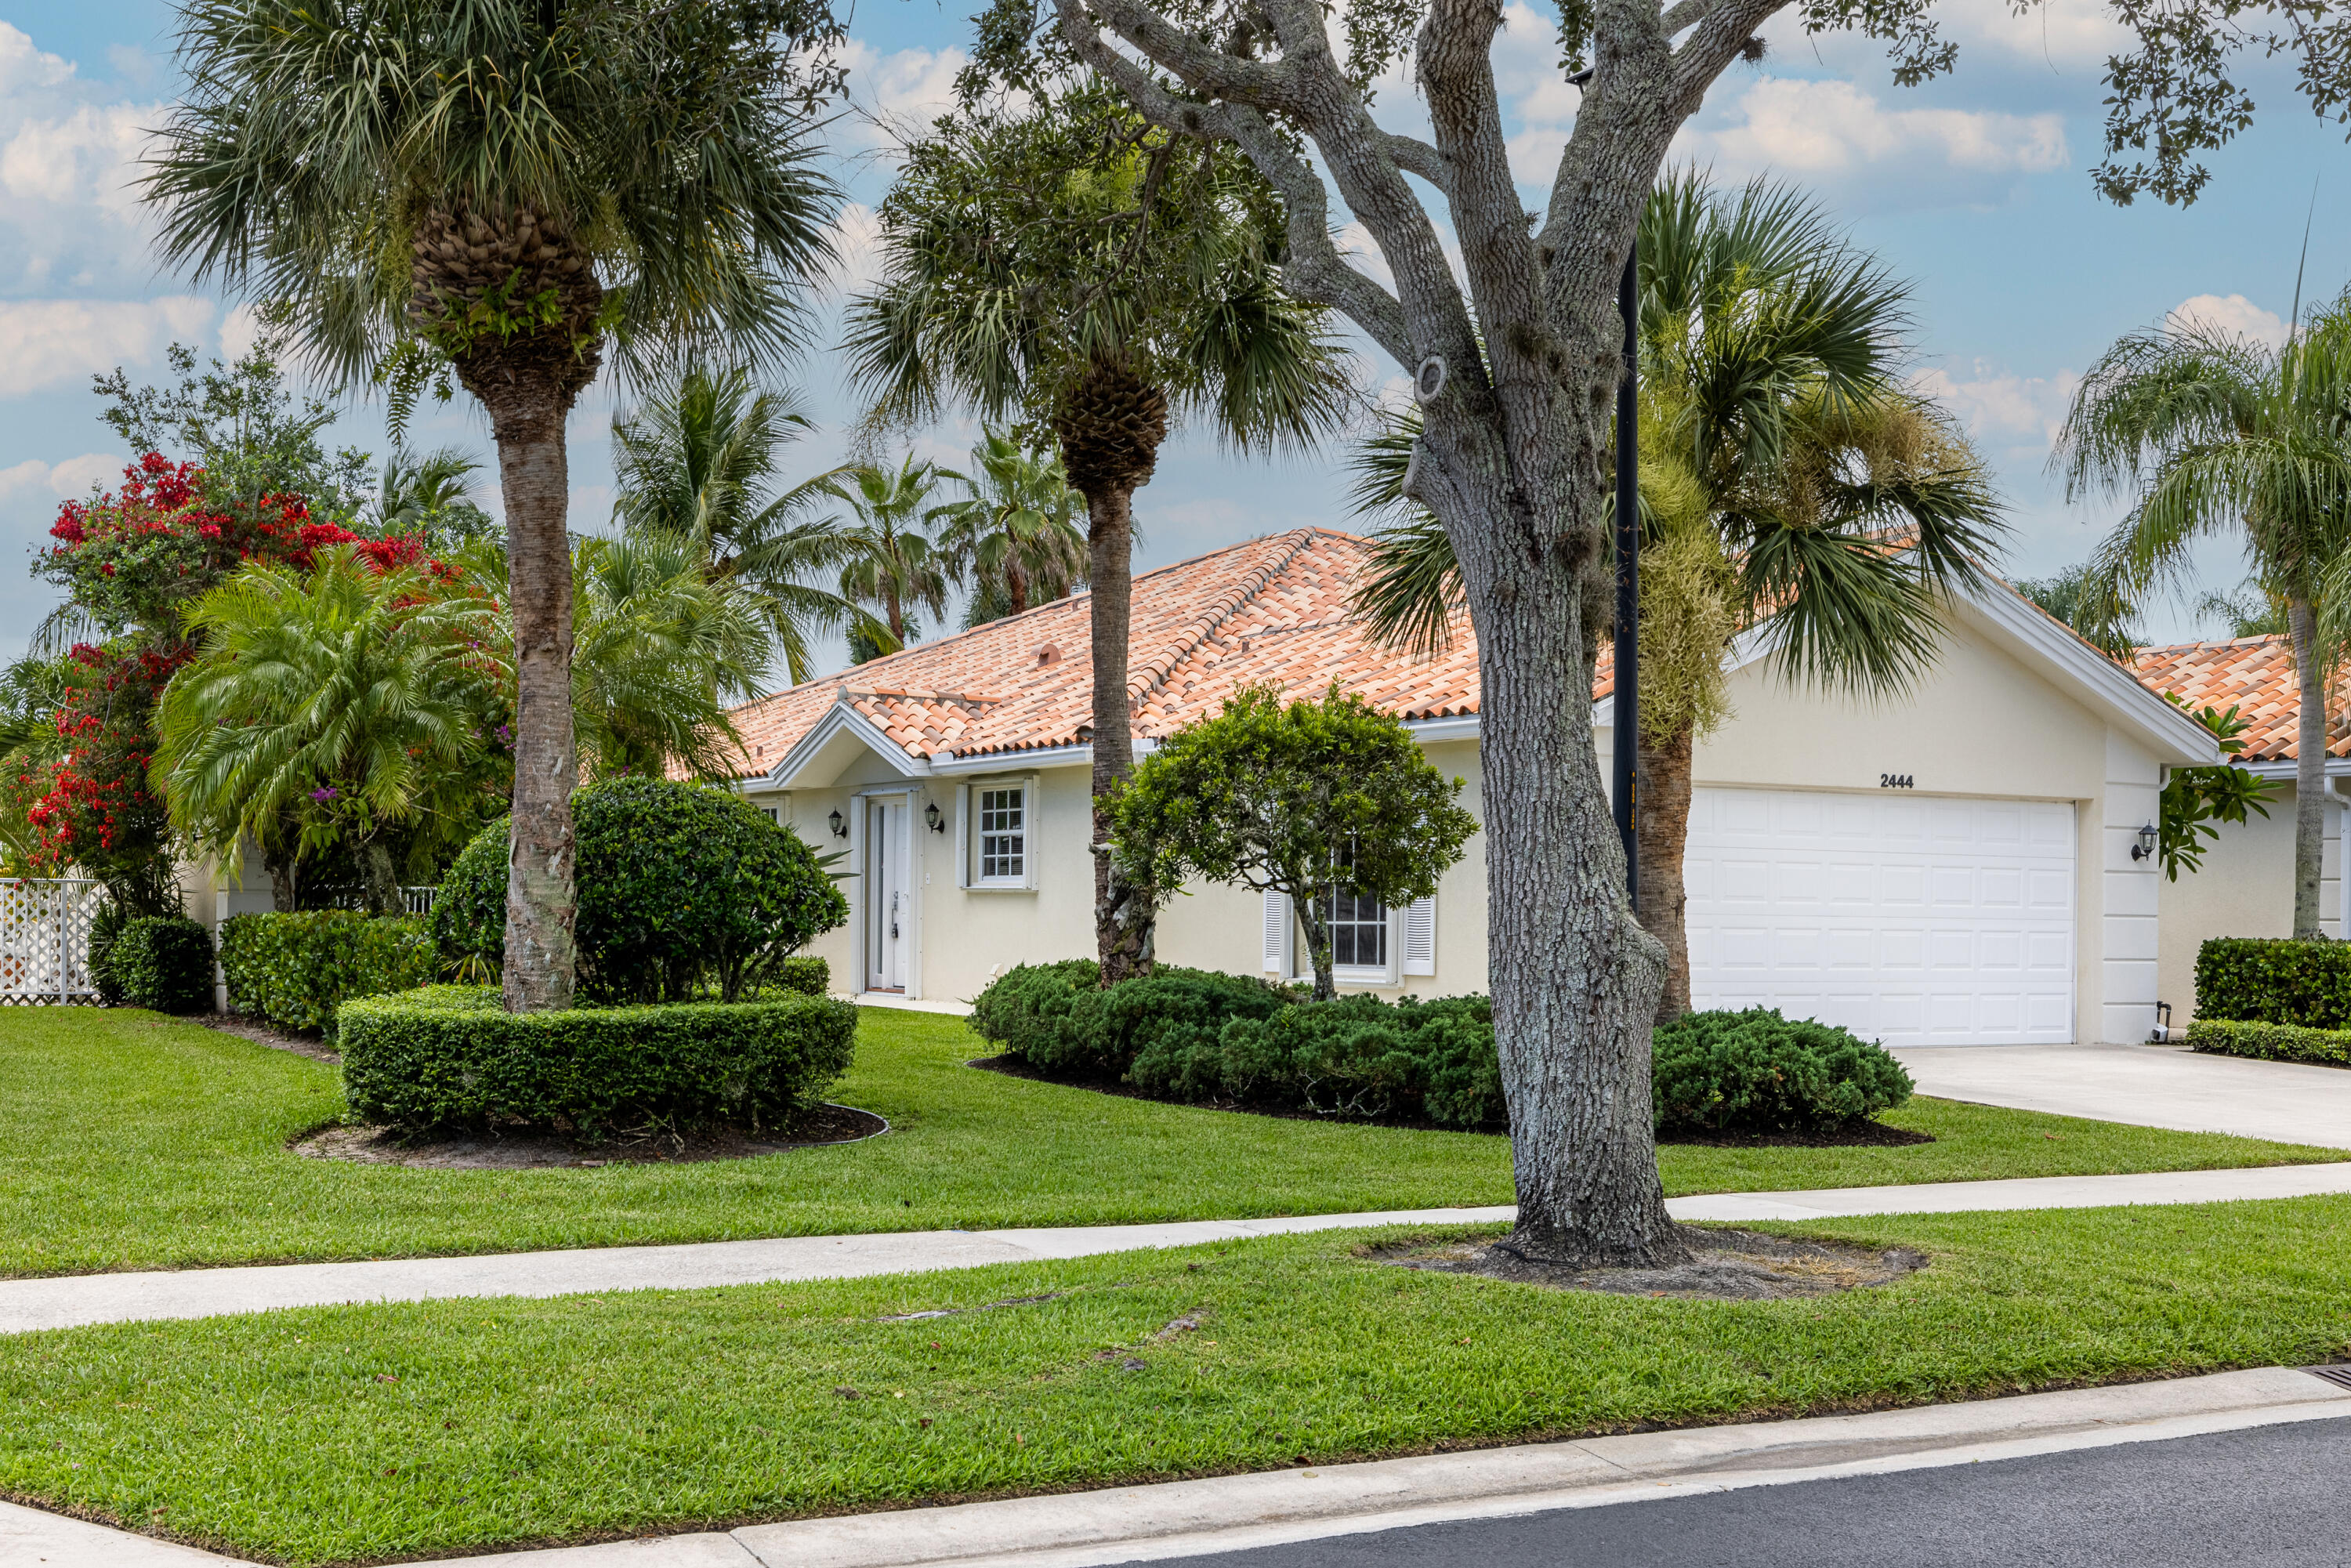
x=537, y=1149
x=1866, y=1134
x=1725, y=1265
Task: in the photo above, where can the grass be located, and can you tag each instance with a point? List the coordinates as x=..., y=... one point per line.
x=370, y=1432
x=128, y=1141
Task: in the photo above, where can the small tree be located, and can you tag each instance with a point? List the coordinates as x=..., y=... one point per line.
x=1309, y=800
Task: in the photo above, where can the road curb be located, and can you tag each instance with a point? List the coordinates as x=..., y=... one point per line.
x=1183, y=1519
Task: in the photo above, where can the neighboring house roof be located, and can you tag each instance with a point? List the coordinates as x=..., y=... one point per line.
x=2255, y=675
x=1272, y=610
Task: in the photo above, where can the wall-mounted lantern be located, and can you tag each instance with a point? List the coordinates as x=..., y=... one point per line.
x=2146, y=846
x=931, y=815
x=840, y=827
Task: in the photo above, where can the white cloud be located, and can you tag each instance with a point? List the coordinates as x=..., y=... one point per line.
x=239, y=331
x=856, y=251
x=1999, y=408
x=1834, y=133
x=2231, y=313
x=23, y=66
x=2066, y=36
x=900, y=94
x=89, y=156
x=73, y=477
x=44, y=343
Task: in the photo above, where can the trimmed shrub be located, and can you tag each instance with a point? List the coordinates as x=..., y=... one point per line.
x=2275, y=981
x=1755, y=1071
x=1357, y=1057
x=682, y=890
x=2272, y=1041
x=296, y=970
x=106, y=925
x=163, y=962
x=448, y=1056
x=810, y=976
x=1025, y=1010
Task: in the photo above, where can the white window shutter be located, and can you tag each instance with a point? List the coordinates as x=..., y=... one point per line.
x=962, y=835
x=1277, y=931
x=1420, y=936
x=1032, y=789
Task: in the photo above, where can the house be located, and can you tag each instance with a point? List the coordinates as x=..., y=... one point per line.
x=1960, y=867
x=2246, y=885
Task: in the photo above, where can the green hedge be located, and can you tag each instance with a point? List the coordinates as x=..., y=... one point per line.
x=447, y=1056
x=1756, y=1071
x=809, y=977
x=1200, y=1036
x=296, y=970
x=163, y=962
x=2272, y=1041
x=683, y=891
x=2275, y=981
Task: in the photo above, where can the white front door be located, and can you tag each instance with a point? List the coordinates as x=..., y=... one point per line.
x=1912, y=919
x=889, y=895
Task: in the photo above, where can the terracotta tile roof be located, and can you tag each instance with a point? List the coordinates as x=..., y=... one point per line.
x=2255, y=675
x=1273, y=608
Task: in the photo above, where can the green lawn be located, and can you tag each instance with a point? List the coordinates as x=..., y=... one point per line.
x=369, y=1432
x=128, y=1141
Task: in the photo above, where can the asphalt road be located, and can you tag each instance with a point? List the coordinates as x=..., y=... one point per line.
x=2273, y=1497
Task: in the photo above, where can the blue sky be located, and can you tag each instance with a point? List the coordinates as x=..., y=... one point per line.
x=1975, y=187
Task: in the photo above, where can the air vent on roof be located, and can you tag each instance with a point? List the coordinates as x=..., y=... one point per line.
x=1048, y=654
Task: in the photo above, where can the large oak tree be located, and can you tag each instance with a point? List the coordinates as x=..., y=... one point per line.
x=1515, y=362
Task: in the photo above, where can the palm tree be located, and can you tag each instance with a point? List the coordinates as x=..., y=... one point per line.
x=2209, y=432
x=336, y=709
x=1014, y=539
x=892, y=561
x=1789, y=485
x=2080, y=597
x=497, y=190
x=429, y=495
x=661, y=652
x=1076, y=269
x=698, y=460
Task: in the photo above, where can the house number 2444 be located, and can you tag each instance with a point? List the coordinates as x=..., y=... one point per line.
x=1895, y=781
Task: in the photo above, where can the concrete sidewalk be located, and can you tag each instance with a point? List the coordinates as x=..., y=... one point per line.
x=2146, y=1085
x=1179, y=1519
x=74, y=1300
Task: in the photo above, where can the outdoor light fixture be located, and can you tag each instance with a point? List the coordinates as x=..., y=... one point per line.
x=2146, y=846
x=840, y=827
x=931, y=815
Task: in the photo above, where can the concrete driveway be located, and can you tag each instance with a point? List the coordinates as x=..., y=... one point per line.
x=2147, y=1085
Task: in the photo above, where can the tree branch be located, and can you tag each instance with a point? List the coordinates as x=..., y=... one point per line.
x=1414, y=156
x=1315, y=269
x=1717, y=36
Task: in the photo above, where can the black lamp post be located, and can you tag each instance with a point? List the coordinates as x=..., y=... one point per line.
x=1624, y=751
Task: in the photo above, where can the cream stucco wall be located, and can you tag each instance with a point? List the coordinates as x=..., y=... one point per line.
x=2244, y=889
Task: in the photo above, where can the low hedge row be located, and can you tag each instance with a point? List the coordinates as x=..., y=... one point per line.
x=2275, y=981
x=450, y=1057
x=298, y=970
x=1200, y=1036
x=2272, y=1041
x=159, y=961
x=1756, y=1071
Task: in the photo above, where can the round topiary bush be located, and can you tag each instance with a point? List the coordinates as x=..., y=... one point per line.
x=682, y=889
x=1755, y=1071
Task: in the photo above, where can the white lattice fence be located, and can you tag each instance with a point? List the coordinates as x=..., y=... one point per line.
x=44, y=941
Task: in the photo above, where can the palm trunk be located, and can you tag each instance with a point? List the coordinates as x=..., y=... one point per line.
x=1016, y=589
x=1122, y=912
x=2310, y=770
x=534, y=475
x=1662, y=828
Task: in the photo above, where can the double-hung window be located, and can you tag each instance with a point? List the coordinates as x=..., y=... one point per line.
x=998, y=844
x=1371, y=944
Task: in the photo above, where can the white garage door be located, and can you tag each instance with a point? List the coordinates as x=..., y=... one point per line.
x=1913, y=919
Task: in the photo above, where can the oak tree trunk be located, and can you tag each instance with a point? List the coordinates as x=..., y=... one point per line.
x=1662, y=829
x=2310, y=769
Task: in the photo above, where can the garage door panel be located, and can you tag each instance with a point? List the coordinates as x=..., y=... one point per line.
x=1906, y=918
